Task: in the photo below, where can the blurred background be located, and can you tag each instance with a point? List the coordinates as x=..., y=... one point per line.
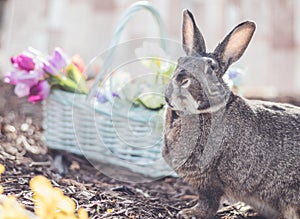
x=85, y=27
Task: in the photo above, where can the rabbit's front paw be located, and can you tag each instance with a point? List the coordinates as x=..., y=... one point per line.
x=193, y=213
x=188, y=213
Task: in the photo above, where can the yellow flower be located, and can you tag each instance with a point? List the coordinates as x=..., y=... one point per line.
x=109, y=211
x=11, y=209
x=82, y=214
x=2, y=169
x=157, y=61
x=51, y=203
x=43, y=196
x=64, y=203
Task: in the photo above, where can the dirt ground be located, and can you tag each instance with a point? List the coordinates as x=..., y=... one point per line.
x=24, y=155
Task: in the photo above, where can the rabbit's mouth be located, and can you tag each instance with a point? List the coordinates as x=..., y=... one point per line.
x=206, y=107
x=183, y=103
x=168, y=102
x=187, y=104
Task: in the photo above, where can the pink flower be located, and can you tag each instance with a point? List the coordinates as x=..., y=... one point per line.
x=39, y=92
x=23, y=80
x=56, y=62
x=78, y=62
x=12, y=76
x=22, y=90
x=23, y=62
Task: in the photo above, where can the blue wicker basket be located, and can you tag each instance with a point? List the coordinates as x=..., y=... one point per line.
x=113, y=132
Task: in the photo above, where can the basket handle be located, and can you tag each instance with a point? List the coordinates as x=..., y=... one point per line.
x=117, y=34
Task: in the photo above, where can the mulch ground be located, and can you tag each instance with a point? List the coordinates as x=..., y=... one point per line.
x=24, y=155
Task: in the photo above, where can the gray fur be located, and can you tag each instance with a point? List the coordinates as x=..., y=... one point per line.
x=225, y=145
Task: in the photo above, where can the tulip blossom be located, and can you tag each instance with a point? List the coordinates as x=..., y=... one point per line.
x=23, y=76
x=22, y=90
x=56, y=62
x=11, y=77
x=23, y=62
x=23, y=80
x=39, y=92
x=78, y=62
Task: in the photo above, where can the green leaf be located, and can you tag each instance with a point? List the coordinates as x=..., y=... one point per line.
x=76, y=76
x=152, y=101
x=73, y=73
x=68, y=84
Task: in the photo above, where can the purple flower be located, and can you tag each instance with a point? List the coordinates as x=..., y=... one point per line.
x=115, y=94
x=23, y=80
x=22, y=76
x=101, y=97
x=23, y=62
x=40, y=71
x=232, y=74
x=56, y=62
x=39, y=92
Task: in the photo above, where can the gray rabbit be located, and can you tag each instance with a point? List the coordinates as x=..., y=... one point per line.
x=223, y=144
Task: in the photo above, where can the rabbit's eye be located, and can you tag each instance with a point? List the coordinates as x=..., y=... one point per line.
x=185, y=83
x=214, y=66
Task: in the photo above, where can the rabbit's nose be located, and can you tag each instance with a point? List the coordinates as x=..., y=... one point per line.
x=168, y=102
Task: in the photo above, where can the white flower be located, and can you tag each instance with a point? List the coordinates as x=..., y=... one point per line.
x=153, y=56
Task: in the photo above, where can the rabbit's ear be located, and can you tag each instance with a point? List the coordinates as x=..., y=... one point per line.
x=235, y=44
x=192, y=40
